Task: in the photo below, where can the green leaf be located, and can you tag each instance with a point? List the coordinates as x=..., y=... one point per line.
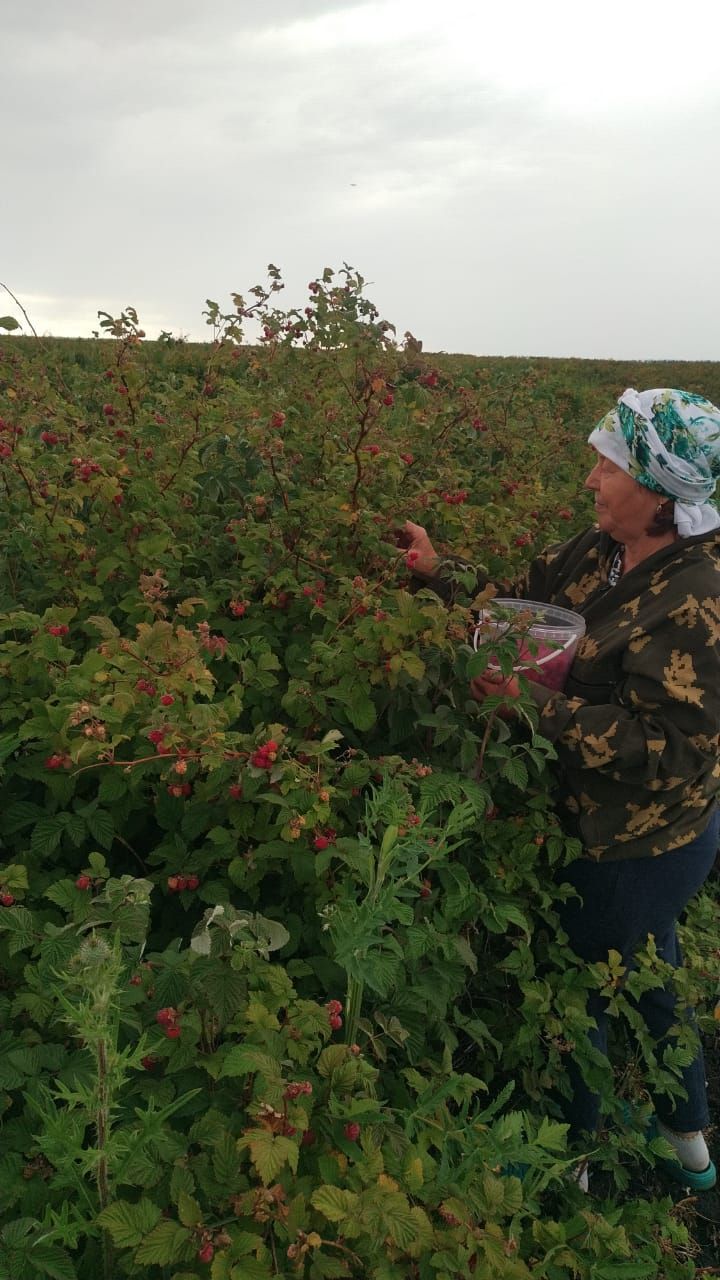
x=9, y=323
x=101, y=826
x=20, y=926
x=46, y=836
x=334, y=1203
x=269, y=1153
x=51, y=1261
x=18, y=815
x=516, y=772
x=128, y=1223
x=189, y=1211
x=398, y=1218
x=624, y=1271
x=166, y=1243
x=245, y=1060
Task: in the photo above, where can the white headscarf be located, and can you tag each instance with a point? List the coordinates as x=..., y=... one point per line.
x=669, y=441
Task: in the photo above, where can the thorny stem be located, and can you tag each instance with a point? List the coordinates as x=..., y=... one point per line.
x=20, y=305
x=281, y=491
x=102, y=1129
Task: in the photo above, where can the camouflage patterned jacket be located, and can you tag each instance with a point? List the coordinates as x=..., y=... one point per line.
x=637, y=728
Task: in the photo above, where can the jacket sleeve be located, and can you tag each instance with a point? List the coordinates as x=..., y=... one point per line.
x=535, y=583
x=661, y=726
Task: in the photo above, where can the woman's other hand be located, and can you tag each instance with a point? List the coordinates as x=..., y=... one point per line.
x=494, y=683
x=414, y=539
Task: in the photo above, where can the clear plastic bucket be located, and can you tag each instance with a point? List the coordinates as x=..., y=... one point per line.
x=555, y=634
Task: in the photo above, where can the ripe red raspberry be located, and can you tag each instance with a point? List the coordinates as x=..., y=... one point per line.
x=425, y=889
x=335, y=1021
x=334, y=1006
x=309, y=1138
x=320, y=842
x=565, y=513
x=83, y=882
x=108, y=410
x=6, y=899
x=407, y=458
x=173, y=884
x=192, y=883
x=59, y=629
x=156, y=736
x=277, y=421
x=389, y=399
x=352, y=1131
x=372, y=449
x=237, y=608
x=165, y=1017
x=172, y=1033
x=136, y=980
x=166, y=700
x=149, y=1063
x=57, y=762
x=49, y=437
x=235, y=791
x=207, y=1253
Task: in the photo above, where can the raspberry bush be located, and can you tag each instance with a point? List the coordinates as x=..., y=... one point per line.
x=283, y=990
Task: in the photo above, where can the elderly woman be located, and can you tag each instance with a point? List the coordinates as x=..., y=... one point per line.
x=637, y=728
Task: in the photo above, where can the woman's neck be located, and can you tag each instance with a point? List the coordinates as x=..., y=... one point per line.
x=642, y=548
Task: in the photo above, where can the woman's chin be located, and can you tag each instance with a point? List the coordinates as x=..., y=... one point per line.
x=604, y=523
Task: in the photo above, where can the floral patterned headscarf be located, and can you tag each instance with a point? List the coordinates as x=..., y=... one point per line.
x=669, y=441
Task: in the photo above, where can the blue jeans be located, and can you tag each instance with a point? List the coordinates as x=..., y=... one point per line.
x=621, y=903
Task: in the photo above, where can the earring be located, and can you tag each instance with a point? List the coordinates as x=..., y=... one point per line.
x=659, y=508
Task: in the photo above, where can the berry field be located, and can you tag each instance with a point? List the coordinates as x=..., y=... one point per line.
x=282, y=989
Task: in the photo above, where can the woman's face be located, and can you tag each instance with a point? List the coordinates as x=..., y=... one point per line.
x=623, y=507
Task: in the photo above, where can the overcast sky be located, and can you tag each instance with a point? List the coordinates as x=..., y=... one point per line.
x=515, y=177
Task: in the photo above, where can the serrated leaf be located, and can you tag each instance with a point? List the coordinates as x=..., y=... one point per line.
x=18, y=815
x=269, y=1152
x=166, y=1243
x=101, y=826
x=334, y=1203
x=51, y=1261
x=244, y=1060
x=46, y=836
x=128, y=1223
x=398, y=1218
x=625, y=1271
x=189, y=1211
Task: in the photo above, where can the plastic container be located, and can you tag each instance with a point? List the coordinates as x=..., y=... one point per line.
x=555, y=633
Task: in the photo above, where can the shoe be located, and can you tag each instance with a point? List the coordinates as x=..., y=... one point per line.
x=696, y=1180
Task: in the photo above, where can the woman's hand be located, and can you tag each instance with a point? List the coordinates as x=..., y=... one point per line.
x=495, y=683
x=420, y=549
